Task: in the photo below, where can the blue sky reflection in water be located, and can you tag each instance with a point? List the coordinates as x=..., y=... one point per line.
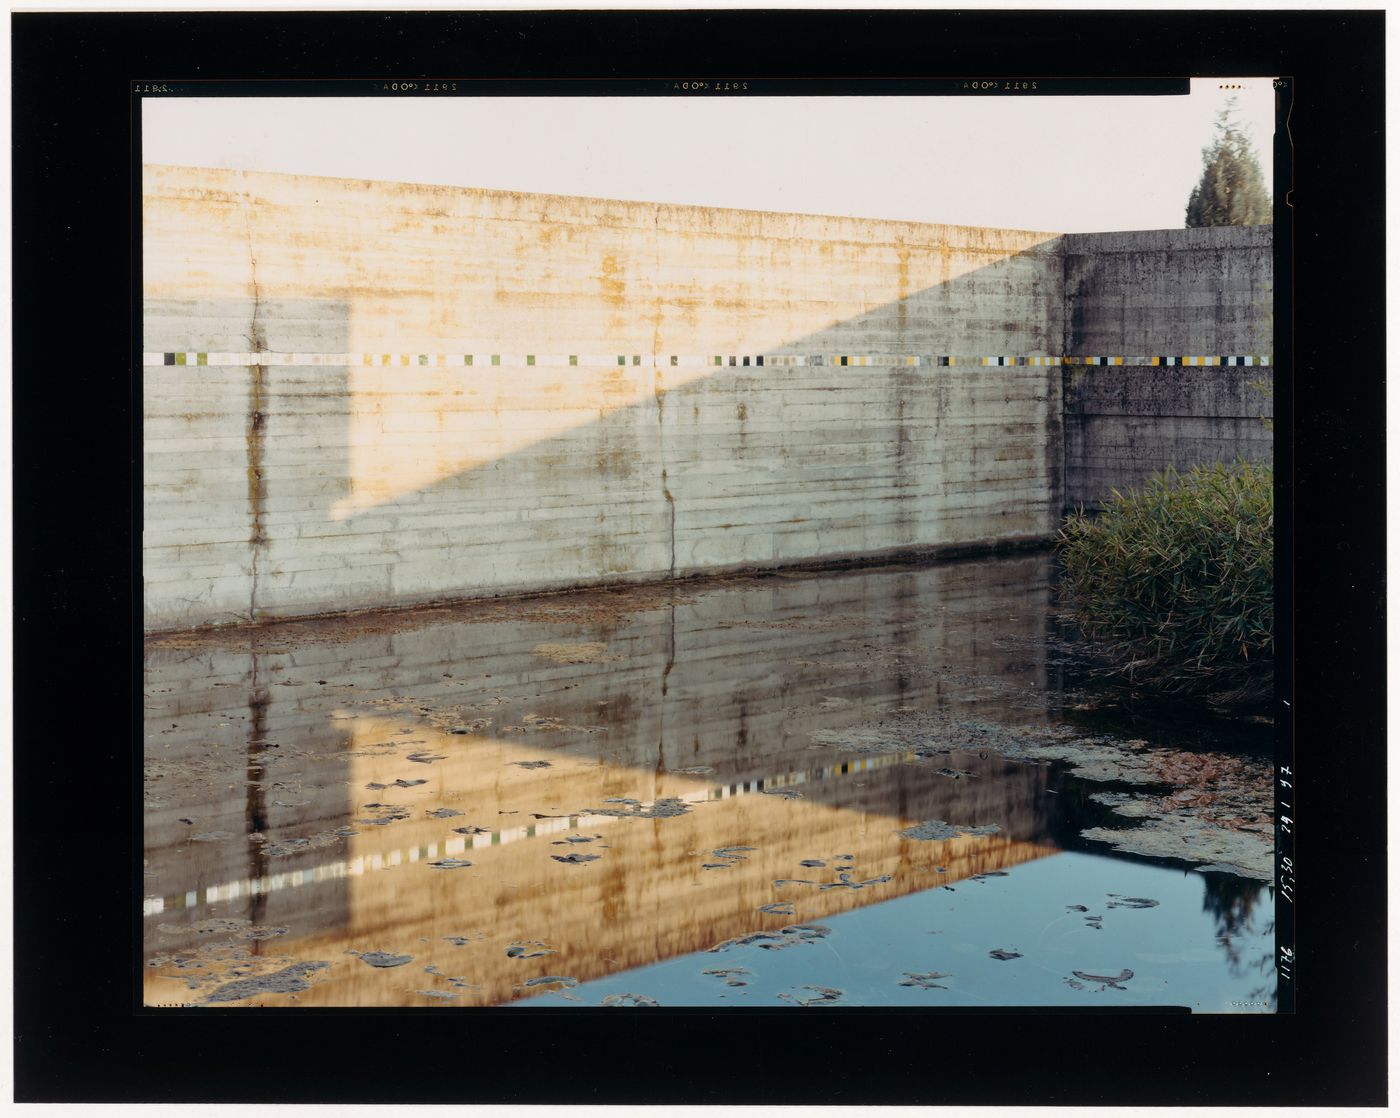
x=1207, y=945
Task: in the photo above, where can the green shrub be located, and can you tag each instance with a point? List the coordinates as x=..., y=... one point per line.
x=1176, y=581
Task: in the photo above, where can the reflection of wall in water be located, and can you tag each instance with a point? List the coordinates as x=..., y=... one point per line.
x=230, y=750
x=649, y=896
x=734, y=680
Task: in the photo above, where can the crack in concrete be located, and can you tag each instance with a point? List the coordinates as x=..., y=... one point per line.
x=661, y=450
x=257, y=486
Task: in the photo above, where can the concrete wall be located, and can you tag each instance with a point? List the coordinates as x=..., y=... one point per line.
x=286, y=487
x=1176, y=292
x=652, y=390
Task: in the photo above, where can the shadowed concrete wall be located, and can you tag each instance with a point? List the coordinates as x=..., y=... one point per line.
x=593, y=439
x=1182, y=292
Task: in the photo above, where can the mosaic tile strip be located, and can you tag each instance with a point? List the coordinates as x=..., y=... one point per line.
x=652, y=360
x=1215, y=359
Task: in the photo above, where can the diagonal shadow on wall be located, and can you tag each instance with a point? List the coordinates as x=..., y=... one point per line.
x=667, y=470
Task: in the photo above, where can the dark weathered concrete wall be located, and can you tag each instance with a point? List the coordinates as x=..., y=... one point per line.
x=1169, y=293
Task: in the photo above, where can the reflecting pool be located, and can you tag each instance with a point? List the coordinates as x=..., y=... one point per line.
x=879, y=787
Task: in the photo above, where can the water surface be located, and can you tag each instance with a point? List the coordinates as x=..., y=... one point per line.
x=684, y=795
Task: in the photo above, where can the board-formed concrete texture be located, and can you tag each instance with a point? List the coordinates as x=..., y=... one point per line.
x=364, y=394
x=1174, y=291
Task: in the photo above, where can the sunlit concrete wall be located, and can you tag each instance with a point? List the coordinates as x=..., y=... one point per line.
x=280, y=489
x=1174, y=292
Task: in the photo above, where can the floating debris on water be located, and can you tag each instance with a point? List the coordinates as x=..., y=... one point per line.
x=1003, y=954
x=776, y=941
x=522, y=949
x=390, y=813
x=1104, y=979
x=629, y=999
x=288, y=980
x=936, y=830
x=844, y=881
x=449, y=864
x=575, y=859
x=382, y=958
x=458, y=982
x=824, y=995
x=924, y=981
x=731, y=975
x=554, y=981
x=665, y=808
x=1131, y=902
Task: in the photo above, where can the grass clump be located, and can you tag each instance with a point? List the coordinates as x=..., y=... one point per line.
x=1175, y=581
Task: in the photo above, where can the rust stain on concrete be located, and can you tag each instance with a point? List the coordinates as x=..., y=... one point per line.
x=614, y=286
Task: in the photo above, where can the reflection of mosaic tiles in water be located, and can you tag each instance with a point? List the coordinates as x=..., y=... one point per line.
x=484, y=839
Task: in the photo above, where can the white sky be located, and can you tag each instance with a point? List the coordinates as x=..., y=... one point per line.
x=1058, y=164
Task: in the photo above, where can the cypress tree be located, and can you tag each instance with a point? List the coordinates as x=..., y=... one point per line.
x=1231, y=190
